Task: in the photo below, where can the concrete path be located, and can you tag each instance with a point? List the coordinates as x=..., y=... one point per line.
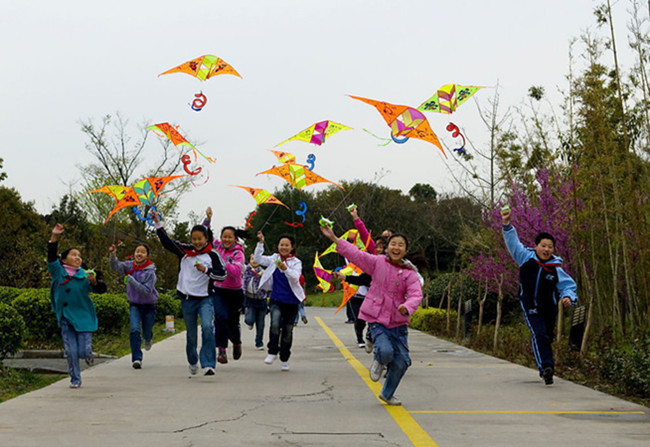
x=452, y=397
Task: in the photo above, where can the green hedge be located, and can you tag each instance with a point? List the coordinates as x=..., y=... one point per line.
x=12, y=330
x=112, y=311
x=432, y=320
x=168, y=304
x=8, y=294
x=35, y=308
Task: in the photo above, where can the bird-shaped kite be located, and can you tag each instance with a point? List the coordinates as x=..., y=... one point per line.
x=177, y=139
x=404, y=121
x=284, y=157
x=261, y=196
x=204, y=67
x=297, y=175
x=448, y=98
x=318, y=132
x=142, y=192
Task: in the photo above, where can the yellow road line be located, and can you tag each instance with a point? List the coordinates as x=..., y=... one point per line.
x=412, y=429
x=520, y=412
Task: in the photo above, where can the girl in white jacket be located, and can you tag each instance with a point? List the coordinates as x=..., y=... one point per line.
x=282, y=278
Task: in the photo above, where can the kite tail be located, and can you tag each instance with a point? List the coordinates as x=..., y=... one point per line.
x=387, y=140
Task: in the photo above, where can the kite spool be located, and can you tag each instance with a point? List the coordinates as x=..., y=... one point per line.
x=169, y=323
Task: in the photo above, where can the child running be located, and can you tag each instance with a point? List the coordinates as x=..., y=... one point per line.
x=255, y=301
x=541, y=284
x=394, y=294
x=70, y=300
x=200, y=266
x=140, y=280
x=282, y=278
x=229, y=297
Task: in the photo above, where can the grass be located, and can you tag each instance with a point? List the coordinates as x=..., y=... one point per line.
x=325, y=299
x=14, y=382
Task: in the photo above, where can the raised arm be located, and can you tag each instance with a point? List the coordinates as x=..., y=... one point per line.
x=364, y=234
x=258, y=254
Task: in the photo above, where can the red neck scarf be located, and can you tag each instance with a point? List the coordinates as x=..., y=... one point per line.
x=136, y=267
x=546, y=266
x=284, y=258
x=193, y=252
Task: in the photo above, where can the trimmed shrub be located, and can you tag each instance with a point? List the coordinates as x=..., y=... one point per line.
x=8, y=294
x=12, y=330
x=34, y=307
x=112, y=311
x=432, y=320
x=168, y=304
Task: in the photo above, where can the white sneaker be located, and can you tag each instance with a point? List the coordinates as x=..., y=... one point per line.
x=269, y=358
x=209, y=371
x=137, y=364
x=362, y=345
x=285, y=366
x=392, y=401
x=75, y=385
x=147, y=345
x=260, y=348
x=375, y=370
x=194, y=369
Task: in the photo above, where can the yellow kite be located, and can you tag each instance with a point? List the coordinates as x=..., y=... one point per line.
x=448, y=98
x=262, y=196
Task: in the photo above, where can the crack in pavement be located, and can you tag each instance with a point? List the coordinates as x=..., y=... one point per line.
x=325, y=392
x=243, y=414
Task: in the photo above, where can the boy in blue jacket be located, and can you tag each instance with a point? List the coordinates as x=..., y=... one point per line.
x=542, y=282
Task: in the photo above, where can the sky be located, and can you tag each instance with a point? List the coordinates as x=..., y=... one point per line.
x=71, y=61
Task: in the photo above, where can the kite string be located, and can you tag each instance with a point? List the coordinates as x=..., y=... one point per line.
x=378, y=176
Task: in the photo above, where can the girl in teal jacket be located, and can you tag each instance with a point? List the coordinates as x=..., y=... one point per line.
x=70, y=299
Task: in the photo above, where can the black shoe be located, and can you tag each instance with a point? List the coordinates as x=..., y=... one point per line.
x=236, y=351
x=547, y=375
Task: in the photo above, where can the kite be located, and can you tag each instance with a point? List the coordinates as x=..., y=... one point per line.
x=262, y=196
x=142, y=192
x=448, y=98
x=248, y=219
x=323, y=275
x=455, y=132
x=284, y=157
x=198, y=104
x=204, y=67
x=293, y=224
x=405, y=122
x=311, y=159
x=176, y=138
x=297, y=175
x=301, y=212
x=318, y=132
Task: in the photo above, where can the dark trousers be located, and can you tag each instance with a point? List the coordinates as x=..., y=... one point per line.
x=359, y=324
x=281, y=328
x=227, y=309
x=541, y=322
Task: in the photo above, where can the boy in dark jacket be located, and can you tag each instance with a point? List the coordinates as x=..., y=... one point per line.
x=542, y=282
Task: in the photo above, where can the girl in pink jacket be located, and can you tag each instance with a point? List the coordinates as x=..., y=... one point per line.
x=229, y=297
x=395, y=292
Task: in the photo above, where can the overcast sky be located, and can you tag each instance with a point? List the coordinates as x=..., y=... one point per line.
x=67, y=61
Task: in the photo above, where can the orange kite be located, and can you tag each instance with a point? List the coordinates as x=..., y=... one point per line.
x=404, y=121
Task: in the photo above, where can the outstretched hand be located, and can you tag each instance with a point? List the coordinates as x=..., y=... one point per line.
x=260, y=237
x=329, y=233
x=112, y=249
x=338, y=275
x=208, y=213
x=354, y=213
x=56, y=232
x=155, y=216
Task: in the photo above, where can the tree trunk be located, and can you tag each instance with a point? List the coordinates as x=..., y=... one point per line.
x=481, y=306
x=459, y=309
x=498, y=322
